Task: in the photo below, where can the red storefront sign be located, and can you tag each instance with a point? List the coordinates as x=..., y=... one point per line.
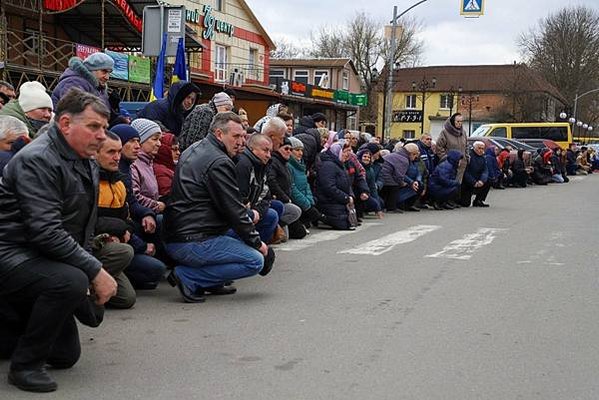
x=129, y=13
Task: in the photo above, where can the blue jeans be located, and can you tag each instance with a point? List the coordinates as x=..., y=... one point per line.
x=145, y=271
x=214, y=261
x=267, y=225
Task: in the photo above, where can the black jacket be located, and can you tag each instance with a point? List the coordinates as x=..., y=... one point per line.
x=333, y=190
x=279, y=178
x=311, y=140
x=48, y=206
x=205, y=200
x=251, y=178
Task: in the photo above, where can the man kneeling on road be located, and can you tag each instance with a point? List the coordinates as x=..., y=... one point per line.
x=476, y=178
x=48, y=213
x=204, y=204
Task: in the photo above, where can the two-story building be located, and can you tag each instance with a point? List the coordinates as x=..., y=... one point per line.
x=327, y=85
x=481, y=93
x=225, y=43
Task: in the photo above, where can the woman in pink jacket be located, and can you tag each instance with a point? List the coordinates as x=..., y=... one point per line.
x=145, y=185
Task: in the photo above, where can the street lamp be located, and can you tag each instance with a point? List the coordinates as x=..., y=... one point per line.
x=563, y=115
x=469, y=100
x=422, y=86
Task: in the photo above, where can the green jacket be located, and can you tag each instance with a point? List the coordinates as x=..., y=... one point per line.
x=13, y=109
x=300, y=189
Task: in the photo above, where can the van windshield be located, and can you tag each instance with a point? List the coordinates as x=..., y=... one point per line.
x=481, y=130
x=555, y=133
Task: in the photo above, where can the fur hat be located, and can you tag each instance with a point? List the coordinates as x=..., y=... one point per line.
x=98, y=61
x=146, y=128
x=222, y=99
x=32, y=95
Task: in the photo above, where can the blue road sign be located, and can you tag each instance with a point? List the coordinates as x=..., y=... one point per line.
x=472, y=8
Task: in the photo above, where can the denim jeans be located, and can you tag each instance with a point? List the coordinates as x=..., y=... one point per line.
x=267, y=225
x=214, y=261
x=145, y=271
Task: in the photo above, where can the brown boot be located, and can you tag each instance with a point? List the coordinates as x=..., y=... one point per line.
x=278, y=237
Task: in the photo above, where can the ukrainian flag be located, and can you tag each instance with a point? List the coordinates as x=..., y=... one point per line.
x=180, y=70
x=158, y=86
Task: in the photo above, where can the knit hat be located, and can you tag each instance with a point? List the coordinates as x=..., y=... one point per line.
x=125, y=132
x=296, y=143
x=146, y=128
x=317, y=117
x=222, y=99
x=98, y=61
x=287, y=142
x=32, y=95
x=373, y=148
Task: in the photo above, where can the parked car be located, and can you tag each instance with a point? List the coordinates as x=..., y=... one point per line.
x=502, y=143
x=540, y=143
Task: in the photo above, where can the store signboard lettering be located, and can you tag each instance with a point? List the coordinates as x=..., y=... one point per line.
x=407, y=116
x=323, y=93
x=211, y=24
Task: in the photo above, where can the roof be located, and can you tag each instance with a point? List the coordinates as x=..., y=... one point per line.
x=475, y=78
x=313, y=62
x=267, y=38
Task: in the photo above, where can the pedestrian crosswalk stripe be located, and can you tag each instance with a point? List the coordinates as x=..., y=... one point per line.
x=387, y=243
x=320, y=236
x=464, y=248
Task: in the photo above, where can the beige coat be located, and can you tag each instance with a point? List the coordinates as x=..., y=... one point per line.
x=448, y=141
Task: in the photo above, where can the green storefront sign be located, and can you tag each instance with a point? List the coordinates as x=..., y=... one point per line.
x=358, y=99
x=342, y=96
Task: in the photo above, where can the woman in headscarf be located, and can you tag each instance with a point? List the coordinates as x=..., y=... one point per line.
x=453, y=137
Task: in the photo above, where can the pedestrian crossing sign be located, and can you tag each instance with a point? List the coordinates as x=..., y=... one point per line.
x=472, y=8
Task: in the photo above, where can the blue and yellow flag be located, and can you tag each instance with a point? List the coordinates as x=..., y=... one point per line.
x=180, y=70
x=158, y=86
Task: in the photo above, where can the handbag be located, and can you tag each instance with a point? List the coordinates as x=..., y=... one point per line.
x=352, y=216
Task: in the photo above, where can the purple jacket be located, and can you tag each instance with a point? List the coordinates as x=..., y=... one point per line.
x=80, y=77
x=394, y=169
x=145, y=185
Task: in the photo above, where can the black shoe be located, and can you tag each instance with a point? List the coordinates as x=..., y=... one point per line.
x=437, y=206
x=447, y=206
x=396, y=211
x=479, y=203
x=413, y=208
x=455, y=204
x=32, y=380
x=188, y=295
x=424, y=206
x=269, y=261
x=220, y=290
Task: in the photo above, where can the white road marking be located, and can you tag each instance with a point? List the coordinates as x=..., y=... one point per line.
x=318, y=237
x=387, y=243
x=464, y=248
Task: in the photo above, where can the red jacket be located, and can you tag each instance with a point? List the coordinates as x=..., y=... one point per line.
x=164, y=166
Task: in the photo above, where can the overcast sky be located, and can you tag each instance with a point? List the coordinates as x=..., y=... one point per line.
x=449, y=39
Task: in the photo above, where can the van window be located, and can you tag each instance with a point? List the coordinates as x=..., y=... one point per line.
x=481, y=130
x=499, y=132
x=555, y=133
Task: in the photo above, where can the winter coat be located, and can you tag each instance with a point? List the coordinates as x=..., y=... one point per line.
x=138, y=211
x=164, y=166
x=476, y=169
x=48, y=206
x=279, y=178
x=77, y=75
x=13, y=109
x=492, y=165
x=395, y=167
x=112, y=204
x=370, y=176
x=443, y=179
x=333, y=190
x=311, y=140
x=301, y=194
x=197, y=124
x=145, y=186
x=169, y=110
x=251, y=179
x=543, y=170
x=451, y=138
x=357, y=176
x=305, y=123
x=427, y=156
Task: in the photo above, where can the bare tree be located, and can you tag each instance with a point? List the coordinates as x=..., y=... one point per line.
x=362, y=41
x=564, y=49
x=286, y=49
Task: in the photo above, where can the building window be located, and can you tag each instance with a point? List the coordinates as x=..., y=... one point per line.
x=411, y=101
x=446, y=101
x=301, y=75
x=252, y=63
x=409, y=134
x=345, y=80
x=321, y=78
x=220, y=64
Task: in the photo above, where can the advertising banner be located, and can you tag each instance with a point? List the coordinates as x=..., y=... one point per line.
x=358, y=99
x=83, y=51
x=139, y=69
x=121, y=65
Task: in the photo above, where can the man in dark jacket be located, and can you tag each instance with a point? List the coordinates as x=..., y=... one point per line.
x=476, y=178
x=172, y=110
x=48, y=214
x=204, y=205
x=443, y=185
x=251, y=177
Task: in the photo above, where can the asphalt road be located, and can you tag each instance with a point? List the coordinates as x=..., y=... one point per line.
x=498, y=303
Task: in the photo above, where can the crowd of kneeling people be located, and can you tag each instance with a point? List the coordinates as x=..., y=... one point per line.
x=197, y=190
